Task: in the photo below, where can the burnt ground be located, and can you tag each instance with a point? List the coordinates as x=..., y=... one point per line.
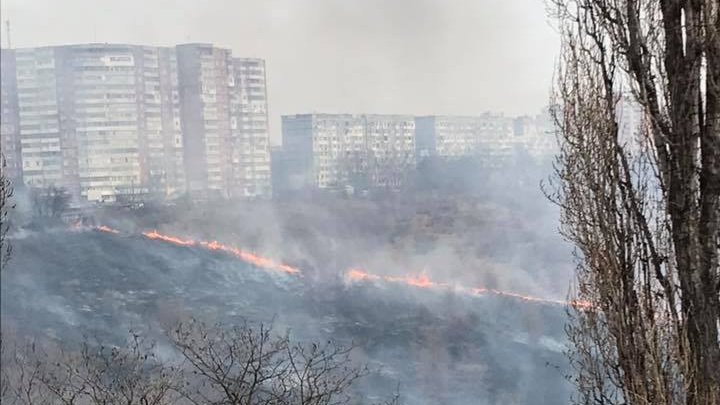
x=438, y=346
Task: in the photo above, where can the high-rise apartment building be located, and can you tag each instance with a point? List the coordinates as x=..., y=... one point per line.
x=250, y=129
x=205, y=78
x=224, y=116
x=109, y=122
x=337, y=150
x=9, y=117
x=41, y=137
x=167, y=169
x=92, y=120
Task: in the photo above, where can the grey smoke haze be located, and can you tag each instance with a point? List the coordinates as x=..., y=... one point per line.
x=402, y=56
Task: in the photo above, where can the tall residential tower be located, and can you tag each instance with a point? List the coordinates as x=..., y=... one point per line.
x=92, y=121
x=9, y=118
x=114, y=122
x=224, y=117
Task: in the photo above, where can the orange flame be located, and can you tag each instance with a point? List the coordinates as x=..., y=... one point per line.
x=250, y=257
x=103, y=228
x=423, y=281
x=357, y=275
x=214, y=245
x=420, y=280
x=167, y=238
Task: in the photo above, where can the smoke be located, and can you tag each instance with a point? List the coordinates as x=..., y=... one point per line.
x=404, y=56
x=496, y=232
x=443, y=345
x=415, y=313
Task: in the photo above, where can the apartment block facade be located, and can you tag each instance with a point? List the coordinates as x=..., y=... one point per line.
x=391, y=146
x=493, y=138
x=332, y=151
x=536, y=135
x=204, y=75
x=488, y=136
x=9, y=118
x=91, y=121
x=110, y=122
x=337, y=150
x=43, y=162
x=250, y=129
x=225, y=121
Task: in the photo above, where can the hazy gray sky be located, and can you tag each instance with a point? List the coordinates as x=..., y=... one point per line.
x=383, y=56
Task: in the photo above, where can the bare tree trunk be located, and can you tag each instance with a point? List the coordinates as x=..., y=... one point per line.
x=643, y=210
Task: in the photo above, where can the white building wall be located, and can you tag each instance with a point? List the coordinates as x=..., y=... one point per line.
x=174, y=183
x=9, y=118
x=332, y=136
x=108, y=100
x=490, y=137
x=250, y=128
x=42, y=160
x=92, y=120
x=358, y=150
x=391, y=144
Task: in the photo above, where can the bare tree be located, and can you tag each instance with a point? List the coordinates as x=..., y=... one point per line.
x=319, y=374
x=246, y=365
x=237, y=366
x=34, y=373
x=214, y=365
x=98, y=374
x=6, y=193
x=642, y=207
x=21, y=372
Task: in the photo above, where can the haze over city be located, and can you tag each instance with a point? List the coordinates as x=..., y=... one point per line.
x=359, y=202
x=423, y=57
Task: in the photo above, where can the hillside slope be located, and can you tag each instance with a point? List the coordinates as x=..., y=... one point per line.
x=439, y=346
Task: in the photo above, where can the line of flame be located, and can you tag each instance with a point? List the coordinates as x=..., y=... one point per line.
x=214, y=245
x=167, y=238
x=420, y=280
x=423, y=281
x=103, y=228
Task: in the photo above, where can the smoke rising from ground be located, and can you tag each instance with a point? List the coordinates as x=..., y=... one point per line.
x=467, y=225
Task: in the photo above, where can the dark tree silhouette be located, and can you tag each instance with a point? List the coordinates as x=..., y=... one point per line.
x=642, y=206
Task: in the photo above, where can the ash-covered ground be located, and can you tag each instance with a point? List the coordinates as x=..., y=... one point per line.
x=439, y=346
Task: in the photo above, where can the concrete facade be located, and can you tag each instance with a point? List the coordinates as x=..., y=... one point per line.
x=10, y=145
x=92, y=121
x=113, y=122
x=204, y=74
x=250, y=129
x=488, y=136
x=493, y=138
x=338, y=150
x=225, y=121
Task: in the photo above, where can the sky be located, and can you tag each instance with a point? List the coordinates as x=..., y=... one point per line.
x=354, y=56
